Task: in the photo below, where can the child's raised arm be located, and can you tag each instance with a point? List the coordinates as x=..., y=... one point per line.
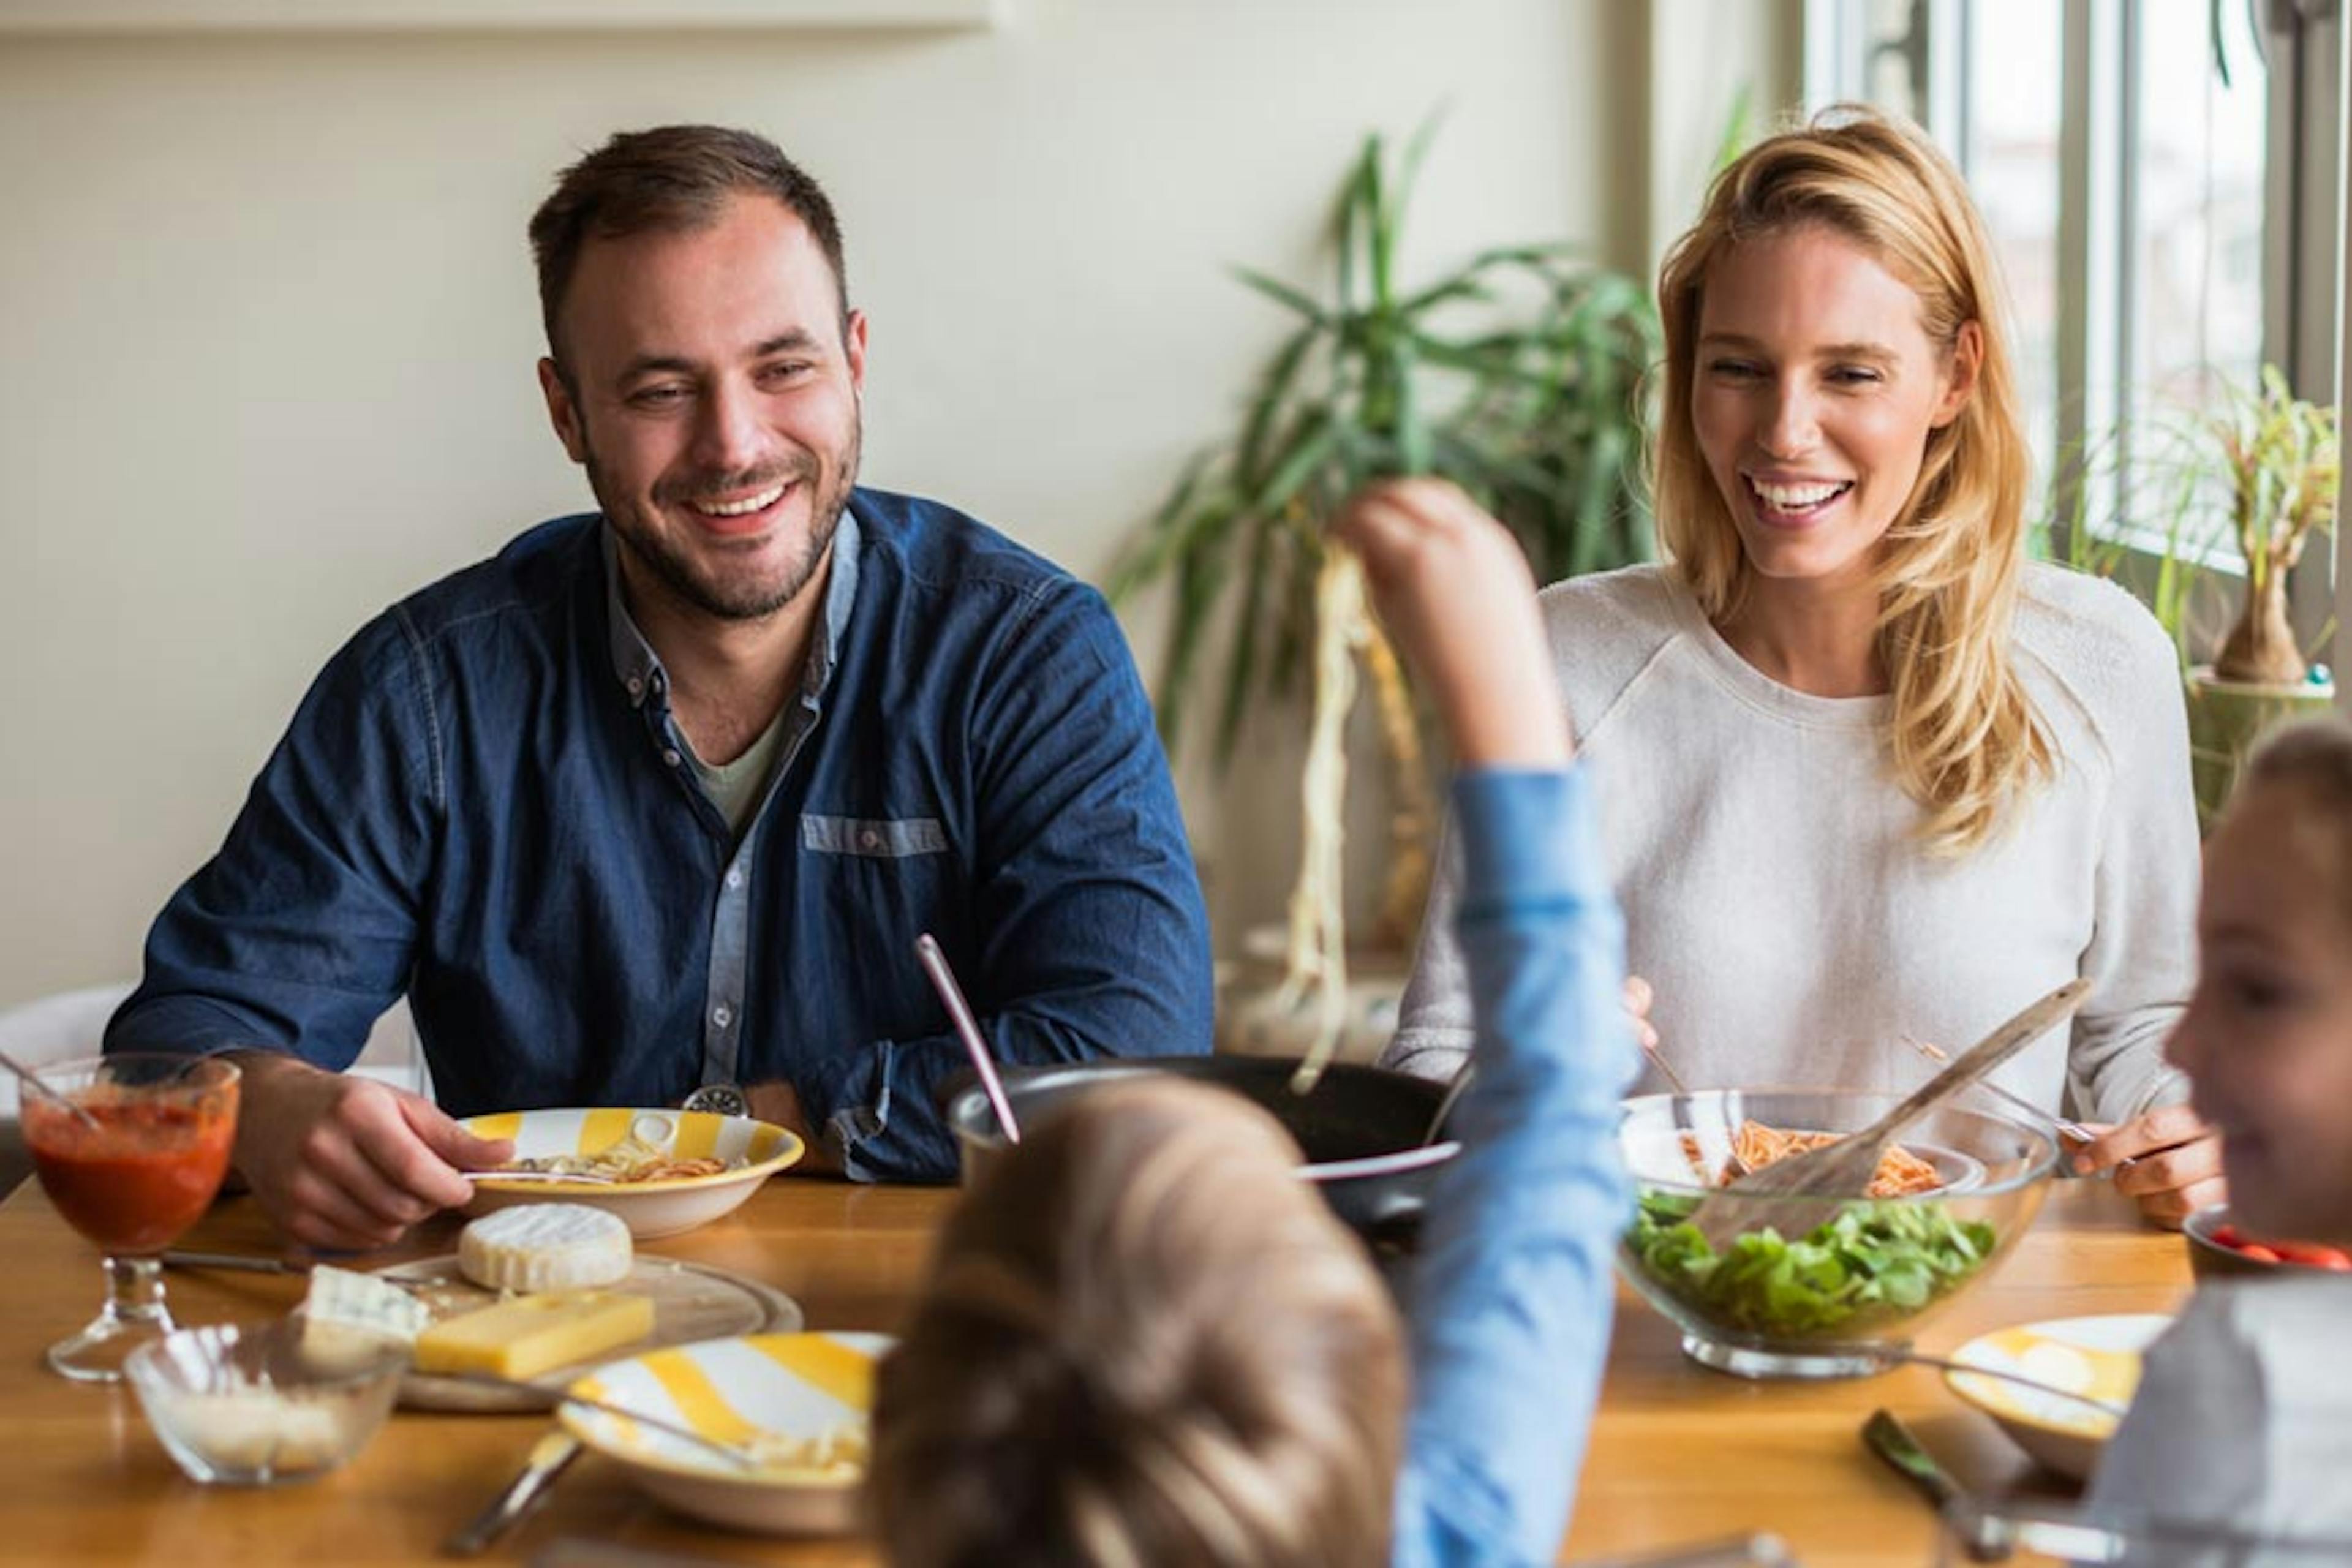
x=1456, y=594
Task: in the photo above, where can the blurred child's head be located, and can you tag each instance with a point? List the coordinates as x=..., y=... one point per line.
x=1143, y=1340
x=2267, y=1038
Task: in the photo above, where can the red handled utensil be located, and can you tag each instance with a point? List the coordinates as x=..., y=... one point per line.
x=967, y=1028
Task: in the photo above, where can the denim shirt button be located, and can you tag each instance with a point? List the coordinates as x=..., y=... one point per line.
x=723, y=1015
x=869, y=839
x=671, y=757
x=735, y=877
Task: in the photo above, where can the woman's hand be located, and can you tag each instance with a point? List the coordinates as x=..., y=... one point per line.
x=2169, y=1160
x=1638, y=998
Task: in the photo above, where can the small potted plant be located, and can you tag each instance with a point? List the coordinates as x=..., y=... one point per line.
x=2276, y=461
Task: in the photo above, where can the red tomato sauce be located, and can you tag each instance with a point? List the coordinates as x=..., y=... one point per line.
x=139, y=1177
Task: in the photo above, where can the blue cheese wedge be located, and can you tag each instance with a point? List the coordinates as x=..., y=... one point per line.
x=349, y=1320
x=545, y=1247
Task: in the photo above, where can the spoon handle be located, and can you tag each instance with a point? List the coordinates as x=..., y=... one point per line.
x=967, y=1028
x=32, y=1080
x=1454, y=1093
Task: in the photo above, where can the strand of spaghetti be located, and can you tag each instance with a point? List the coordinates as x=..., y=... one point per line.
x=1318, y=938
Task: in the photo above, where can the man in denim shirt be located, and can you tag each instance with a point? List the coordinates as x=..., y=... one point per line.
x=660, y=799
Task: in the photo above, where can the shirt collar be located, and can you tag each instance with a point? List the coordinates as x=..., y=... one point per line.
x=639, y=669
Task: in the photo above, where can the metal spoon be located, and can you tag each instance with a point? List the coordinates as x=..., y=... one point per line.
x=32, y=1082
x=1454, y=1090
x=526, y=1174
x=1734, y=1167
x=553, y=1399
x=967, y=1027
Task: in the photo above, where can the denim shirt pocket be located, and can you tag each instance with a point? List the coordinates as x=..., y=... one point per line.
x=875, y=839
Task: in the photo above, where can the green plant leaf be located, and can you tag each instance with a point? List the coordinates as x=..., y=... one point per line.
x=1241, y=673
x=1272, y=397
x=1283, y=294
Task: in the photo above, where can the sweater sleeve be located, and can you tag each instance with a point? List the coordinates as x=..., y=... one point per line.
x=1433, y=1037
x=2141, y=959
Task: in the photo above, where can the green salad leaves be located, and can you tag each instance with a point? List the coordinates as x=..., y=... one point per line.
x=1873, y=1262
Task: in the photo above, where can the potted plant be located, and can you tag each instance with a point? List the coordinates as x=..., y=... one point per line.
x=1516, y=376
x=2275, y=461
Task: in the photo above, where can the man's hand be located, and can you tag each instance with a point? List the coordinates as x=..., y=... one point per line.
x=1454, y=591
x=346, y=1164
x=2175, y=1163
x=780, y=1102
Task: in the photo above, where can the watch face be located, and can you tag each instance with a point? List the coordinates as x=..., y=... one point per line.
x=724, y=1099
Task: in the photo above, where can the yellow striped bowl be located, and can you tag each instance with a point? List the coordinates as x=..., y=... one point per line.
x=2097, y=1357
x=650, y=1208
x=776, y=1391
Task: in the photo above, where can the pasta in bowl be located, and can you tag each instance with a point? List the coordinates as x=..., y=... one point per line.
x=795, y=1408
x=1844, y=1297
x=662, y=1171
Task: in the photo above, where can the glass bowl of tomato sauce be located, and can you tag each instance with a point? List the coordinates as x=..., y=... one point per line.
x=131, y=1149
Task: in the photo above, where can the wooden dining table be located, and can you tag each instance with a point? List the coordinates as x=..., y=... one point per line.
x=1678, y=1453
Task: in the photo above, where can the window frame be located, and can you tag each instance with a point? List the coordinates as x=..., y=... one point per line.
x=2308, y=221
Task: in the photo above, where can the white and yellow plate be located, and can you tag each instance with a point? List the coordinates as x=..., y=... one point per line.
x=2099, y=1357
x=777, y=1392
x=650, y=1208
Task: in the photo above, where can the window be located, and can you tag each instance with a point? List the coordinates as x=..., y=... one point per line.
x=2161, y=180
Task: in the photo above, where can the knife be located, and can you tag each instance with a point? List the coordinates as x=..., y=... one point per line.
x=250, y=1262
x=549, y=1456
x=1885, y=1436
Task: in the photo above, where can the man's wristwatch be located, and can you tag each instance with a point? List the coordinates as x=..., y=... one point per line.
x=723, y=1098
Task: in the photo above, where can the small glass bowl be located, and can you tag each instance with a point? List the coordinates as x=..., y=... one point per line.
x=241, y=1406
x=1846, y=1302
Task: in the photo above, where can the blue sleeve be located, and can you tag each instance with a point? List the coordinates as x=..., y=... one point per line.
x=1092, y=940
x=300, y=931
x=1512, y=1295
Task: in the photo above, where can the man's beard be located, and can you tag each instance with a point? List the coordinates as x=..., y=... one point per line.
x=717, y=597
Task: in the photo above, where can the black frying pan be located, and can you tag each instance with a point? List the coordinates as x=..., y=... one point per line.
x=1353, y=1114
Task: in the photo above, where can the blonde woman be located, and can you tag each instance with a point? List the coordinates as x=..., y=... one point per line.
x=1863, y=772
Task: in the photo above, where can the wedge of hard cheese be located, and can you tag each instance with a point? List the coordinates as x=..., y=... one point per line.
x=531, y=1334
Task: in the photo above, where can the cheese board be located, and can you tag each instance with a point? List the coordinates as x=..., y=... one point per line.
x=691, y=1301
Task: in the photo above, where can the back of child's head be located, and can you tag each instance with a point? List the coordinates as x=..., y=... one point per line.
x=1144, y=1340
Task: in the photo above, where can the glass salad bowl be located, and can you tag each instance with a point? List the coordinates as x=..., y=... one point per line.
x=1844, y=1298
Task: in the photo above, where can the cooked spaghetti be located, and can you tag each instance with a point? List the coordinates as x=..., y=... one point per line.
x=630, y=1160
x=1901, y=1174
x=1318, y=955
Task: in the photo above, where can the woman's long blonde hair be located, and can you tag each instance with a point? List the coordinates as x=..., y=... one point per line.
x=1963, y=738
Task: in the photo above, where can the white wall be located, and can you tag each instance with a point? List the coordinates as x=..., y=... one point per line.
x=268, y=327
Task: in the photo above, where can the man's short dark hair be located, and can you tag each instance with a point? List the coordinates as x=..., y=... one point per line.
x=670, y=179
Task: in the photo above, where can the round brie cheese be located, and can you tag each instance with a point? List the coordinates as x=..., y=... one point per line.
x=545, y=1247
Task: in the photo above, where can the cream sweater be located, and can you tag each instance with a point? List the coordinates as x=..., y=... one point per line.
x=1774, y=894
